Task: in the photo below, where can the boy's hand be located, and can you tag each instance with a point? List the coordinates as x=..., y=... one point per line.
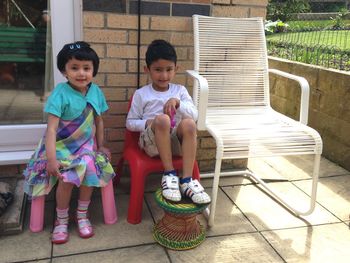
x=171, y=105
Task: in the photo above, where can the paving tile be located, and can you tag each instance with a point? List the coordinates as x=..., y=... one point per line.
x=281, y=168
x=288, y=167
x=264, y=168
x=153, y=182
x=118, y=235
x=265, y=213
x=123, y=187
x=233, y=238
x=323, y=243
x=301, y=167
x=11, y=222
x=333, y=193
x=28, y=245
x=140, y=254
x=249, y=247
x=40, y=261
x=225, y=181
x=229, y=219
x=260, y=166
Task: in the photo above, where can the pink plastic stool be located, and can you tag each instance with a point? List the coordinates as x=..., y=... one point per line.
x=37, y=214
x=108, y=203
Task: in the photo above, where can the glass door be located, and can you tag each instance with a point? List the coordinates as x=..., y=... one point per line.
x=25, y=60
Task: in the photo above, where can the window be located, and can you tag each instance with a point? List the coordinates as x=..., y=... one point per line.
x=26, y=79
x=25, y=64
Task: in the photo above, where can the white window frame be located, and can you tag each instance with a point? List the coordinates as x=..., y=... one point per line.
x=66, y=26
x=17, y=142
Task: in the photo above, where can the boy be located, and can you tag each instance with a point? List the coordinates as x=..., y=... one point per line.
x=151, y=113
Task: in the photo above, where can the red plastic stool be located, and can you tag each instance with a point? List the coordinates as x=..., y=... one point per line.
x=108, y=203
x=141, y=165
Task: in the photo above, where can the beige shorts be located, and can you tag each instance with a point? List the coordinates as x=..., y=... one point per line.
x=147, y=142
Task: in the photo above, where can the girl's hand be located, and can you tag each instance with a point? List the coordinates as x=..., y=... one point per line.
x=105, y=151
x=52, y=168
x=170, y=106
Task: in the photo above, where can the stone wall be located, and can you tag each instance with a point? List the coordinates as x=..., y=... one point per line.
x=329, y=108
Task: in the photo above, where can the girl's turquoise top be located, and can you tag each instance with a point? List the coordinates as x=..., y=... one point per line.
x=67, y=103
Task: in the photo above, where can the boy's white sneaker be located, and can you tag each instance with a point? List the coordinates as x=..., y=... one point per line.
x=195, y=191
x=170, y=188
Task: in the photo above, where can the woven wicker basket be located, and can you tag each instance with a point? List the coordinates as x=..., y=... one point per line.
x=179, y=228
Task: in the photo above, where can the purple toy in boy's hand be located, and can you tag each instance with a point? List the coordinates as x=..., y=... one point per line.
x=172, y=119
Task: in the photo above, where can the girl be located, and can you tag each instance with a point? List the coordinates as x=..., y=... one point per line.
x=71, y=151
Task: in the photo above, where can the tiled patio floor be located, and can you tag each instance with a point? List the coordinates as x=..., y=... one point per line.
x=250, y=226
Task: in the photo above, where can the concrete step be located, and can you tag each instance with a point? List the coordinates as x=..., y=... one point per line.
x=11, y=222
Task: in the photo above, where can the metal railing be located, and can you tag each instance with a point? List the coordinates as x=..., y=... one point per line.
x=321, y=55
x=319, y=42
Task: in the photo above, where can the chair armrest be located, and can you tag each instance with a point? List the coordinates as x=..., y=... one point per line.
x=305, y=93
x=200, y=97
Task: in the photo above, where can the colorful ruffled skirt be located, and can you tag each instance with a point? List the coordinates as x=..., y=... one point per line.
x=81, y=165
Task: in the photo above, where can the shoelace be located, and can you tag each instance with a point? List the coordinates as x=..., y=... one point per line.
x=195, y=186
x=171, y=182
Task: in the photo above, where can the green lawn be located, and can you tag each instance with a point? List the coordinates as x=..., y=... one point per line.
x=336, y=38
x=313, y=42
x=295, y=25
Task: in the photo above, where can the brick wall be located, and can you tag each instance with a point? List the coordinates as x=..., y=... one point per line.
x=228, y=8
x=239, y=8
x=111, y=27
x=115, y=37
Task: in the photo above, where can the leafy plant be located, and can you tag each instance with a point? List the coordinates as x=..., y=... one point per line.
x=338, y=21
x=285, y=9
x=275, y=26
x=325, y=7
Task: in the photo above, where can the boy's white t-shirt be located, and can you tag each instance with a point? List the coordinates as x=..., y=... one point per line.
x=148, y=103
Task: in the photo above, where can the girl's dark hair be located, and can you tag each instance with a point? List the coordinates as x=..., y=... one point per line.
x=79, y=50
x=160, y=49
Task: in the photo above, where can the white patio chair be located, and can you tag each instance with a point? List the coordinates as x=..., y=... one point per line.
x=231, y=92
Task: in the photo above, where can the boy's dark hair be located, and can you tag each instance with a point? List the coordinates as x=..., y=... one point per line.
x=160, y=49
x=79, y=50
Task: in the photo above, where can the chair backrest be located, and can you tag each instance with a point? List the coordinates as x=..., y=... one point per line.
x=231, y=54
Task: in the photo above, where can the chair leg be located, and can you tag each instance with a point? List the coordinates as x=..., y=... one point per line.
x=196, y=174
x=120, y=165
x=315, y=177
x=108, y=203
x=286, y=204
x=37, y=214
x=136, y=197
x=268, y=190
x=214, y=193
x=119, y=170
